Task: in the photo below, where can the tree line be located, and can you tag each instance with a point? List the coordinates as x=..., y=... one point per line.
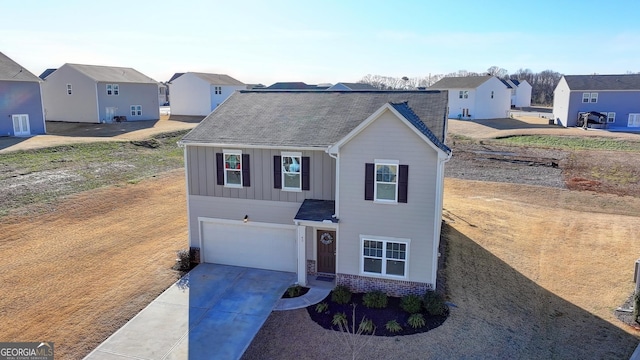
x=542, y=83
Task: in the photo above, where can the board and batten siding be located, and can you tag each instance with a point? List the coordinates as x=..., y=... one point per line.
x=389, y=139
x=201, y=168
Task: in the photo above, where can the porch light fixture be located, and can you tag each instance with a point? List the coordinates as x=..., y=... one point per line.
x=246, y=218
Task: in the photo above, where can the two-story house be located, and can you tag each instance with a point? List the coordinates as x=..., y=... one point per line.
x=197, y=94
x=341, y=183
x=475, y=97
x=616, y=96
x=21, y=112
x=97, y=94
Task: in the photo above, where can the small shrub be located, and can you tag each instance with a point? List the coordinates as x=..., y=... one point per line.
x=411, y=304
x=636, y=307
x=393, y=326
x=366, y=326
x=294, y=291
x=341, y=295
x=433, y=303
x=322, y=307
x=339, y=319
x=183, y=260
x=416, y=321
x=375, y=300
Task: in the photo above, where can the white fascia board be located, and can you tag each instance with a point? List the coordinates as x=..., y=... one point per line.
x=247, y=146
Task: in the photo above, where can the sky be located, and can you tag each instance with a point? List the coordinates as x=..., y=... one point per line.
x=323, y=41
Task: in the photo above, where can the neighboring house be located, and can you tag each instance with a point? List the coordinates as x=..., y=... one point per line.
x=352, y=86
x=163, y=94
x=617, y=96
x=476, y=97
x=520, y=92
x=97, y=94
x=198, y=94
x=46, y=73
x=21, y=110
x=347, y=184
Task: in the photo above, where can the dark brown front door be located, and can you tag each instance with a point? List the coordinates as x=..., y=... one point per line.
x=326, y=251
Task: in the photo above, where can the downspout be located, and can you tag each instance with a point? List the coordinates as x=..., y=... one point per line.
x=337, y=197
x=440, y=209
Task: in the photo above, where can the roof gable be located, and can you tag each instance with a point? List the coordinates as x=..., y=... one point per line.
x=308, y=118
x=464, y=82
x=12, y=71
x=112, y=74
x=603, y=82
x=352, y=86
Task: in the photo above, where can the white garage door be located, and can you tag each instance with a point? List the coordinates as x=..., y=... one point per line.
x=262, y=246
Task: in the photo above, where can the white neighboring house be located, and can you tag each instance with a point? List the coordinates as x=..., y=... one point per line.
x=475, y=97
x=520, y=92
x=198, y=94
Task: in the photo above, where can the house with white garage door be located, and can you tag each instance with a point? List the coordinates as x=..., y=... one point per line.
x=346, y=184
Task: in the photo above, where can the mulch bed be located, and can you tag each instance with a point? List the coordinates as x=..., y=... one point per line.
x=303, y=290
x=380, y=317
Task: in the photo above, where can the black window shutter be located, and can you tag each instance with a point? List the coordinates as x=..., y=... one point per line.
x=403, y=183
x=306, y=169
x=369, y=173
x=277, y=172
x=246, y=170
x=219, y=169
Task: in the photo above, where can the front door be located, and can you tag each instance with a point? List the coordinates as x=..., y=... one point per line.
x=21, y=125
x=109, y=114
x=326, y=251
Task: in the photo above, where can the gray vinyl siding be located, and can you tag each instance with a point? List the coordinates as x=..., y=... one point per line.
x=145, y=95
x=201, y=169
x=80, y=106
x=275, y=212
x=387, y=138
x=30, y=103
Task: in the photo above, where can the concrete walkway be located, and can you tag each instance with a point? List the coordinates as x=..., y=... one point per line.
x=318, y=290
x=213, y=312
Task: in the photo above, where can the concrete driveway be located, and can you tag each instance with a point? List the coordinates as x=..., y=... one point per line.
x=212, y=313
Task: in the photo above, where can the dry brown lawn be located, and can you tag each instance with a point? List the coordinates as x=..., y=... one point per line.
x=77, y=273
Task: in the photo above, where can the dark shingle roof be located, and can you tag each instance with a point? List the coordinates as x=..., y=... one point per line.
x=358, y=86
x=290, y=86
x=218, y=79
x=465, y=82
x=317, y=210
x=175, y=76
x=308, y=118
x=405, y=110
x=603, y=82
x=506, y=83
x=516, y=82
x=113, y=73
x=12, y=71
x=46, y=73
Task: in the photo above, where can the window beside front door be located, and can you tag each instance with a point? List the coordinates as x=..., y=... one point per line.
x=21, y=125
x=385, y=257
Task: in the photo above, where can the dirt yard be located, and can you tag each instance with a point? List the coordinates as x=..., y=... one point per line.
x=76, y=274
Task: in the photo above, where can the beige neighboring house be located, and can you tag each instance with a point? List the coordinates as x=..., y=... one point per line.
x=99, y=94
x=198, y=94
x=344, y=184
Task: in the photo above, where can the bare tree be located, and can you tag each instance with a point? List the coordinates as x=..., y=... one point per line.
x=354, y=338
x=497, y=71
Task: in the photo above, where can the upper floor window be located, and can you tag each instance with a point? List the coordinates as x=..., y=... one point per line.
x=68, y=89
x=217, y=90
x=463, y=94
x=386, y=185
x=113, y=89
x=233, y=168
x=589, y=97
x=136, y=110
x=291, y=171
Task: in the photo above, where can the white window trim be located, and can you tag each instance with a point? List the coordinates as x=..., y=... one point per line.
x=594, y=96
x=133, y=110
x=384, y=240
x=287, y=154
x=377, y=162
x=611, y=117
x=116, y=90
x=109, y=88
x=224, y=155
x=586, y=96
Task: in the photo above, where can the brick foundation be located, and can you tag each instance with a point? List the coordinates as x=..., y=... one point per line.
x=311, y=267
x=363, y=284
